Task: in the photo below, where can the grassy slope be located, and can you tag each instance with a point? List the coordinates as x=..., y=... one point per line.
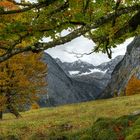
x=70, y=121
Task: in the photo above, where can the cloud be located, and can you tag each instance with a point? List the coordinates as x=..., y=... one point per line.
x=84, y=45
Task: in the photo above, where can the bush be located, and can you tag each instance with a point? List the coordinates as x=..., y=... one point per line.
x=103, y=129
x=106, y=134
x=35, y=106
x=134, y=136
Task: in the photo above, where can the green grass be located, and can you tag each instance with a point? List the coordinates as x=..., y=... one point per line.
x=95, y=120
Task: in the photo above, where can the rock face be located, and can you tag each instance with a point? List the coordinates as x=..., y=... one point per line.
x=123, y=71
x=83, y=67
x=80, y=81
x=83, y=71
x=75, y=82
x=79, y=66
x=62, y=89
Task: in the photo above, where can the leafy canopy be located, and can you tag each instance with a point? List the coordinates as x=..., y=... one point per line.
x=22, y=81
x=106, y=22
x=23, y=77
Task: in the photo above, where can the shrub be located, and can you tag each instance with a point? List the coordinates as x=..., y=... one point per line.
x=35, y=106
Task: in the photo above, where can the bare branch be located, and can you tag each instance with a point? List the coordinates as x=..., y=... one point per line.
x=79, y=55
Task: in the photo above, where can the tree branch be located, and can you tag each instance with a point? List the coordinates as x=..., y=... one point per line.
x=32, y=6
x=76, y=33
x=79, y=55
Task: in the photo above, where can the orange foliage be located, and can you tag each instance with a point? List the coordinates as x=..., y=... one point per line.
x=35, y=106
x=22, y=79
x=8, y=5
x=133, y=86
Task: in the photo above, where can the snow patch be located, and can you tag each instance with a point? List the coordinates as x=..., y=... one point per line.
x=86, y=73
x=93, y=71
x=97, y=70
x=74, y=72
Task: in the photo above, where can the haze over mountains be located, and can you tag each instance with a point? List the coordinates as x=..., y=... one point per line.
x=75, y=82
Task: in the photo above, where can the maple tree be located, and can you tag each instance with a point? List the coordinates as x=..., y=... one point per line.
x=23, y=24
x=133, y=86
x=22, y=80
x=22, y=77
x=106, y=22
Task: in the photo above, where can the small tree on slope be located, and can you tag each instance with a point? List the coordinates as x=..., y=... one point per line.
x=22, y=80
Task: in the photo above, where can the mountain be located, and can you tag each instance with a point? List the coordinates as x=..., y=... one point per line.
x=90, y=74
x=123, y=71
x=63, y=89
x=83, y=68
x=76, y=67
x=75, y=82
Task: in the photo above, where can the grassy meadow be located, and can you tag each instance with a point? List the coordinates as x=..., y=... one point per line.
x=108, y=119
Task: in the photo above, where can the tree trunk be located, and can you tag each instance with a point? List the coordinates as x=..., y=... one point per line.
x=13, y=111
x=1, y=115
x=10, y=105
x=130, y=65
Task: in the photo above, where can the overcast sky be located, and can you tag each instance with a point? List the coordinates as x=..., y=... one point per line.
x=84, y=45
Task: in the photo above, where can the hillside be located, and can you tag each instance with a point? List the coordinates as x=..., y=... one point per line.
x=82, y=121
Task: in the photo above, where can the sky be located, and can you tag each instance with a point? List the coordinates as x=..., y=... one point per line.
x=83, y=45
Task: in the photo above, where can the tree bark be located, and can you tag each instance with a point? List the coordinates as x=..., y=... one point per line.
x=13, y=111
x=10, y=105
x=130, y=65
x=1, y=115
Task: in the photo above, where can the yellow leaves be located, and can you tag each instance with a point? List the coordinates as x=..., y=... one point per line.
x=19, y=75
x=133, y=86
x=24, y=43
x=35, y=106
x=23, y=82
x=2, y=102
x=8, y=5
x=3, y=42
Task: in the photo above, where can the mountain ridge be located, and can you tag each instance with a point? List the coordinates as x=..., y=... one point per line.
x=64, y=88
x=84, y=67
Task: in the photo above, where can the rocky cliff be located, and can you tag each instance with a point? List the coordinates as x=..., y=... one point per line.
x=75, y=82
x=128, y=66
x=63, y=89
x=82, y=71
